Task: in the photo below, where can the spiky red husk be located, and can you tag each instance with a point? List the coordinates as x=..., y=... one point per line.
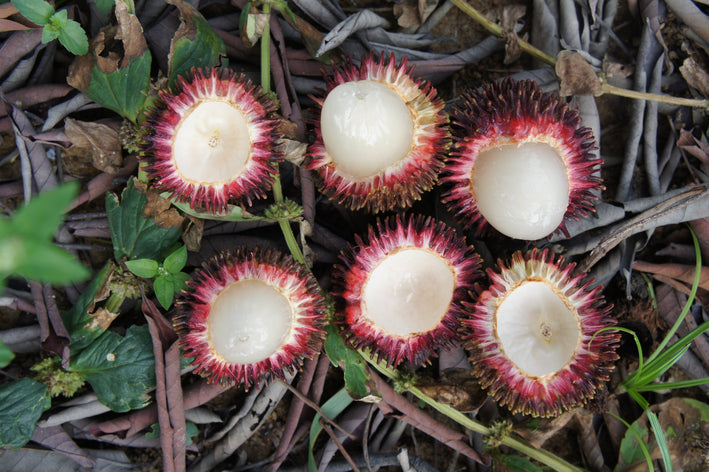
x=580, y=379
x=173, y=106
x=400, y=185
x=273, y=268
x=511, y=111
x=389, y=237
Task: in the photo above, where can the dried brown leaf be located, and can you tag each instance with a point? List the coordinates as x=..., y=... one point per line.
x=102, y=50
x=8, y=25
x=407, y=14
x=57, y=439
x=701, y=230
x=683, y=273
x=16, y=46
x=100, y=140
x=698, y=148
x=576, y=75
x=458, y=389
x=192, y=237
x=159, y=209
x=695, y=75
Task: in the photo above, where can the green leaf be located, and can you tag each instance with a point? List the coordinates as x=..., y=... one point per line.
x=124, y=90
x=335, y=405
x=176, y=261
x=121, y=370
x=146, y=268
x=518, y=463
x=104, y=6
x=133, y=235
x=6, y=355
x=45, y=212
x=59, y=19
x=350, y=361
x=46, y=263
x=22, y=402
x=37, y=11
x=49, y=33
x=164, y=287
x=180, y=281
x=77, y=320
x=191, y=431
x=74, y=39
x=195, y=44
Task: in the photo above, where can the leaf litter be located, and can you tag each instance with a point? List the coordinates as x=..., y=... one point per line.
x=657, y=176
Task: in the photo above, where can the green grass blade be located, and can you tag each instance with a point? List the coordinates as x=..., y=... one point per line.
x=673, y=385
x=335, y=405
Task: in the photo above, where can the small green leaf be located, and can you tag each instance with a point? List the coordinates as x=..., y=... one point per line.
x=37, y=11
x=6, y=355
x=518, y=463
x=180, y=281
x=45, y=262
x=121, y=370
x=104, y=6
x=195, y=44
x=74, y=39
x=59, y=19
x=49, y=33
x=41, y=218
x=354, y=366
x=191, y=431
x=176, y=261
x=146, y=268
x=133, y=235
x=164, y=287
x=22, y=402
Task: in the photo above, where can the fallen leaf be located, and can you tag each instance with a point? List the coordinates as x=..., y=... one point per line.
x=98, y=139
x=698, y=148
x=683, y=273
x=576, y=75
x=695, y=75
x=407, y=14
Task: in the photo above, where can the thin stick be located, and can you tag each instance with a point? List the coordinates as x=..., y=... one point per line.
x=315, y=407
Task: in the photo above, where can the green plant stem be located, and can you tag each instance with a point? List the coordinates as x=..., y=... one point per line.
x=545, y=457
x=266, y=51
x=277, y=190
x=657, y=97
x=498, y=30
x=114, y=302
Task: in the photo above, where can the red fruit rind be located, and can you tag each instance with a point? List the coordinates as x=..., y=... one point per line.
x=403, y=183
x=582, y=376
x=389, y=237
x=514, y=112
x=271, y=267
x=163, y=123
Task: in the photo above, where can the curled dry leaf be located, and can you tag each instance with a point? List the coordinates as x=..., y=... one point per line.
x=576, y=75
x=158, y=208
x=458, y=389
x=98, y=140
x=104, y=52
x=698, y=148
x=695, y=75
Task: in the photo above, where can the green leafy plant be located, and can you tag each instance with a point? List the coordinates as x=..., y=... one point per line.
x=26, y=247
x=56, y=25
x=21, y=404
x=645, y=378
x=168, y=276
x=6, y=355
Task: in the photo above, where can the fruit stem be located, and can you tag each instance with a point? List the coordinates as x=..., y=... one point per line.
x=498, y=30
x=657, y=97
x=266, y=85
x=545, y=457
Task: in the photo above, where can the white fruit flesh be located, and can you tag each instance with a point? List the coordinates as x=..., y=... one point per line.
x=366, y=128
x=537, y=330
x=522, y=191
x=249, y=321
x=212, y=143
x=409, y=292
